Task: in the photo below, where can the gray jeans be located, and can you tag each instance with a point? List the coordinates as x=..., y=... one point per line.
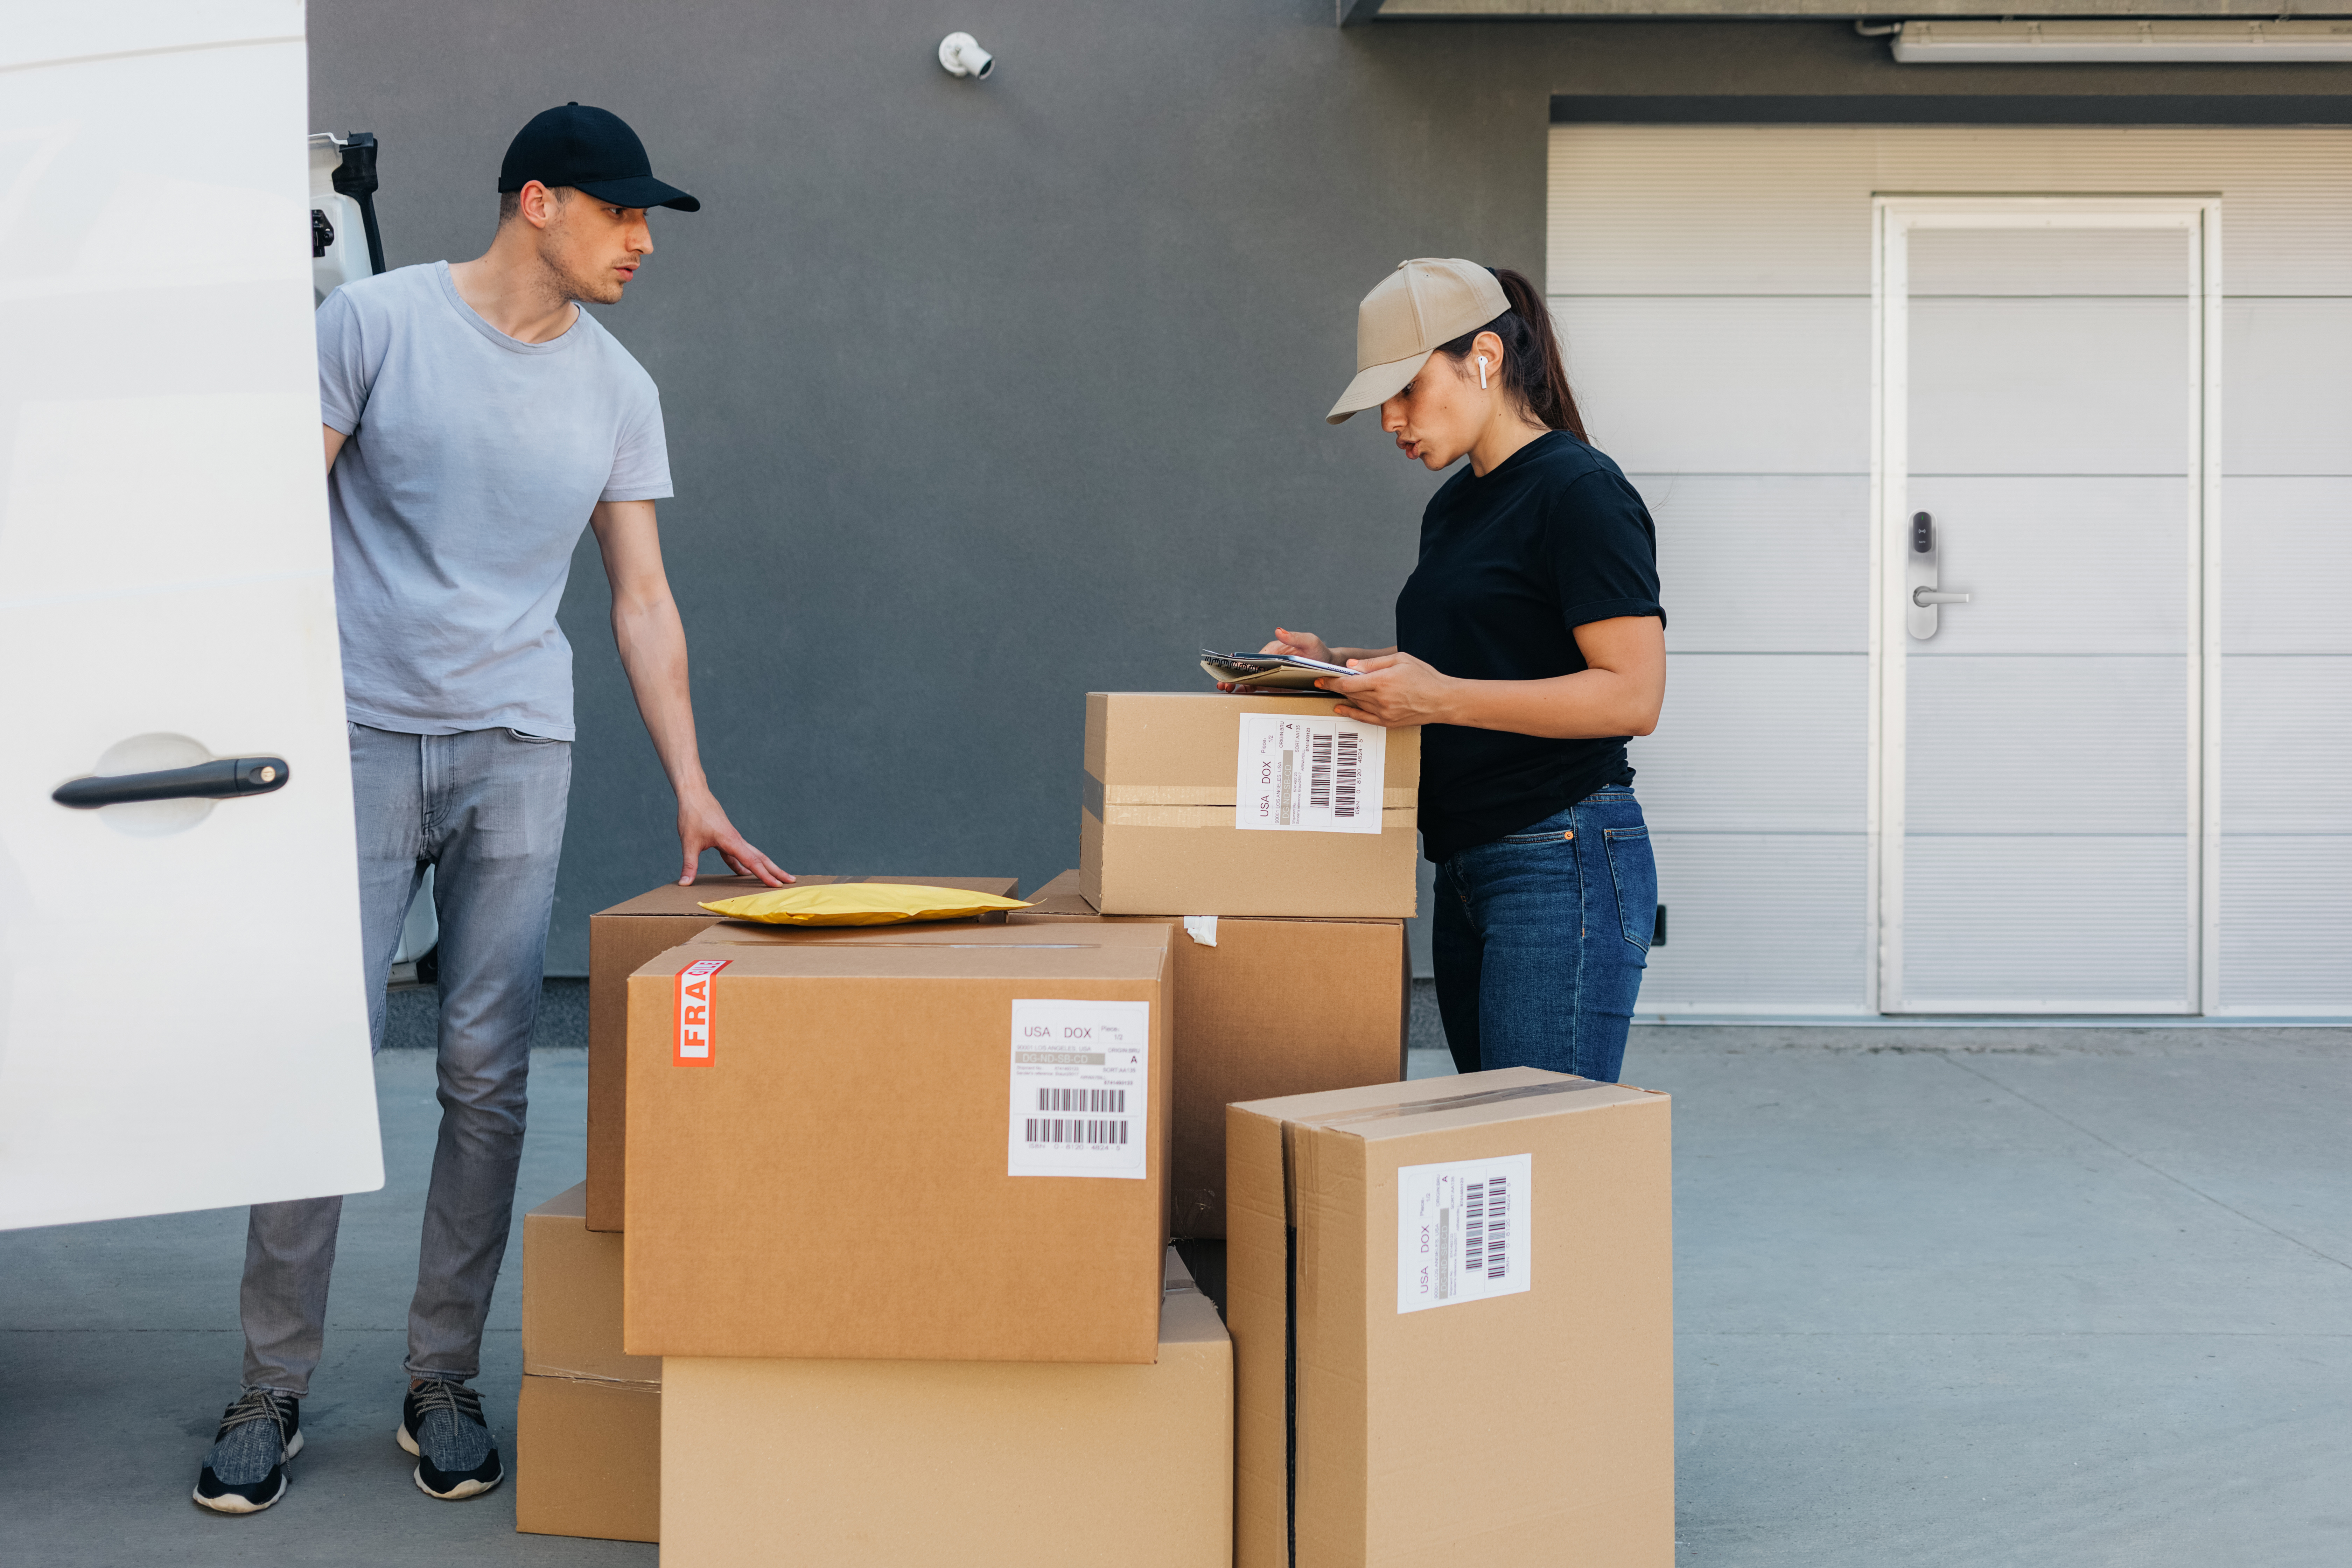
x=485, y=809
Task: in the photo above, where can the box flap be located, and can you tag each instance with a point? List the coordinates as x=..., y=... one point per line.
x=1152, y=741
x=1136, y=951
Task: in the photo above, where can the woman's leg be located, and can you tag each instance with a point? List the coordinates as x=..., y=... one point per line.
x=1565, y=910
x=1455, y=944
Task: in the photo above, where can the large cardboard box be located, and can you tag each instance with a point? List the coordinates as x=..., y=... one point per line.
x=899, y=1142
x=624, y=936
x=1323, y=827
x=1265, y=1006
x=1451, y=1304
x=852, y=1464
x=588, y=1430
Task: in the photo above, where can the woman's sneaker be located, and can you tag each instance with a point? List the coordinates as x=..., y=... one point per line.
x=246, y=1470
x=441, y=1422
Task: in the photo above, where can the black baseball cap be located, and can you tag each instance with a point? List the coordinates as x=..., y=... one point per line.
x=592, y=150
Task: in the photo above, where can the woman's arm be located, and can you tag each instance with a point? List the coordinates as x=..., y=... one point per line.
x=1619, y=692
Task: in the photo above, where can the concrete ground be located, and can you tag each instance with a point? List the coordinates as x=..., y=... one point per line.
x=1949, y=1297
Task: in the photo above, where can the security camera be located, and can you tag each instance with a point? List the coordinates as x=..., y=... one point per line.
x=961, y=55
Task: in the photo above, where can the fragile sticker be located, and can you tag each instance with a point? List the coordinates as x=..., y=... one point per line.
x=1311, y=774
x=1463, y=1231
x=1081, y=1088
x=695, y=988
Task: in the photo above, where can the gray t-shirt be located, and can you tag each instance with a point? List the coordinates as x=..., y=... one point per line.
x=472, y=464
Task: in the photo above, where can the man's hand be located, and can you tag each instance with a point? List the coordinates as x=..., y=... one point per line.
x=1394, y=690
x=703, y=825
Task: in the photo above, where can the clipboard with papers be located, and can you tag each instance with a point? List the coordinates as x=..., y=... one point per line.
x=1269, y=671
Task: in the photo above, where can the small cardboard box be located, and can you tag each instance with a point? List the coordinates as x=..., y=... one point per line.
x=1325, y=828
x=624, y=936
x=1265, y=1006
x=851, y=1464
x=908, y=1143
x=588, y=1429
x=1452, y=1305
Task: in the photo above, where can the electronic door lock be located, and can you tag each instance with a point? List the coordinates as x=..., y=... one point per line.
x=1919, y=574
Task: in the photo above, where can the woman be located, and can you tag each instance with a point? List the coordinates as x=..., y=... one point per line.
x=1530, y=644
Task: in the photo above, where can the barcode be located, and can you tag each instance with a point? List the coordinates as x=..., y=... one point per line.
x=1113, y=1101
x=1344, y=794
x=1319, y=775
x=1498, y=1203
x=1474, y=1228
x=1058, y=1130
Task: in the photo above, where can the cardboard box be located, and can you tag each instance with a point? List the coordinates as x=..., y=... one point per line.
x=822, y=1164
x=1515, y=1413
x=588, y=1429
x=835, y=1464
x=621, y=938
x=1265, y=1006
x=1168, y=829
x=588, y=1459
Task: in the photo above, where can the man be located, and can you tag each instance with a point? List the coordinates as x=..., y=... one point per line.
x=476, y=418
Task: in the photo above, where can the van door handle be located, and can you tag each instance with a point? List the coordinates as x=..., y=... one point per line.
x=223, y=779
x=1924, y=596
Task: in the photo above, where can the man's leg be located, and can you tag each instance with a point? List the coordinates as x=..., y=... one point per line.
x=496, y=806
x=498, y=826
x=289, y=1247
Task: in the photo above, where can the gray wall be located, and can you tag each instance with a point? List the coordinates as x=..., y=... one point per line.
x=984, y=395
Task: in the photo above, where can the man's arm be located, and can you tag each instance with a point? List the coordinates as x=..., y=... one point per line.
x=335, y=440
x=652, y=640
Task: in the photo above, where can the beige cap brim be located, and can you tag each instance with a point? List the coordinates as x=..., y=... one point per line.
x=1374, y=386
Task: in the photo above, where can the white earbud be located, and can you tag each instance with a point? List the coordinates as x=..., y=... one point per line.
x=1482, y=372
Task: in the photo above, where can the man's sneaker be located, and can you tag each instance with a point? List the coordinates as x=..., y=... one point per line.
x=246, y=1471
x=441, y=1422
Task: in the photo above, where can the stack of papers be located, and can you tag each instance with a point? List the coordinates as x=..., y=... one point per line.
x=1271, y=671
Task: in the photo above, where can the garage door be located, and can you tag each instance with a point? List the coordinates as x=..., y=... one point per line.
x=2143, y=803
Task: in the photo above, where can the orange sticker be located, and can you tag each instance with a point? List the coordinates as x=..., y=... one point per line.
x=694, y=986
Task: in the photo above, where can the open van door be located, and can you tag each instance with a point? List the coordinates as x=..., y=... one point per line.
x=182, y=1017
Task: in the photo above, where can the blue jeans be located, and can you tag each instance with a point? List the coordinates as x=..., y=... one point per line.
x=486, y=809
x=1540, y=940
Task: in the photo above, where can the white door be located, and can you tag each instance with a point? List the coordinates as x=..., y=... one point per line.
x=182, y=1022
x=2046, y=413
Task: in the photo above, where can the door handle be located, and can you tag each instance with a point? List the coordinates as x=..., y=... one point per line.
x=1921, y=564
x=221, y=780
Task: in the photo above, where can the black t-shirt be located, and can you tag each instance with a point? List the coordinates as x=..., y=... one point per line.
x=1511, y=565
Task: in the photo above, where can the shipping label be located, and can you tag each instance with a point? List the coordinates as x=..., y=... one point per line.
x=1081, y=1088
x=695, y=988
x=1463, y=1231
x=1311, y=774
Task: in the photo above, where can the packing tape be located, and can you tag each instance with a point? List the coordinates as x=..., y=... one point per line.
x=1462, y=1101
x=1101, y=800
x=642, y=1385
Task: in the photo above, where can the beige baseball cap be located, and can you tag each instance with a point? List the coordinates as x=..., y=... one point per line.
x=1429, y=301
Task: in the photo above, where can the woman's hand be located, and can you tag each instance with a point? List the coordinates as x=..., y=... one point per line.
x=1394, y=690
x=1300, y=644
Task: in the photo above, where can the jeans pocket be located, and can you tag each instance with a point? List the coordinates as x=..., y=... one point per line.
x=531, y=739
x=1635, y=871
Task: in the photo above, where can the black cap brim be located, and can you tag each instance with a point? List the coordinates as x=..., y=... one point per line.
x=643, y=192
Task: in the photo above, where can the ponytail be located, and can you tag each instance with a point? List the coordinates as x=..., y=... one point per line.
x=1531, y=368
